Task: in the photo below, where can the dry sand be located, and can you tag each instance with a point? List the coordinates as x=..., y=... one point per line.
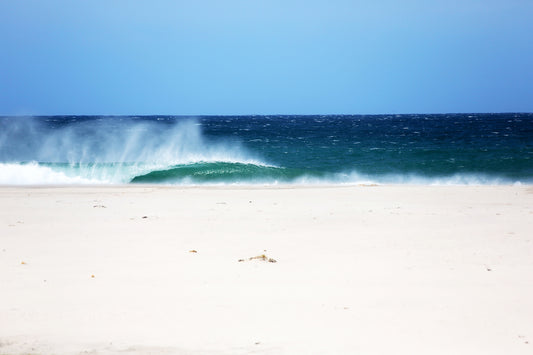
x=359, y=270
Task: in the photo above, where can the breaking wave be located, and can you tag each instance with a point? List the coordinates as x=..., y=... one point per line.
x=215, y=173
x=112, y=151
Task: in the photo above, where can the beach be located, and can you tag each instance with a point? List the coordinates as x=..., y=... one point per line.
x=388, y=269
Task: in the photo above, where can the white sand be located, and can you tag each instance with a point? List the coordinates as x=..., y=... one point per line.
x=360, y=270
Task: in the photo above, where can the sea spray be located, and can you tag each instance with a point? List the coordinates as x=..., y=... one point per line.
x=111, y=140
x=107, y=150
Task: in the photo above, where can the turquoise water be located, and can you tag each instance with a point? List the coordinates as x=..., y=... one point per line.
x=420, y=149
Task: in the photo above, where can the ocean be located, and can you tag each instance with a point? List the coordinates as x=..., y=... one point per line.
x=440, y=149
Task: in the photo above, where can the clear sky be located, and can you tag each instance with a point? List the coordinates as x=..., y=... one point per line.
x=265, y=57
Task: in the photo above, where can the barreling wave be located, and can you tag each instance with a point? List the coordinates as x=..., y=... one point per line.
x=219, y=172
x=202, y=173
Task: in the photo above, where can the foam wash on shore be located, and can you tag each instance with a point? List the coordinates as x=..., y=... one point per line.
x=417, y=149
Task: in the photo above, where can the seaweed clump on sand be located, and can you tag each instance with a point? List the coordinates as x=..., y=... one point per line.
x=261, y=257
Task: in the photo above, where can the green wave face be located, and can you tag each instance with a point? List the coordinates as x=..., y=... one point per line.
x=219, y=172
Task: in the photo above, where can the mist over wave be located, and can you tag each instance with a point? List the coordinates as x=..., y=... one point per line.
x=102, y=150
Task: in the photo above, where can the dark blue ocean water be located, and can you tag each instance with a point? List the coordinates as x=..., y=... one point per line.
x=417, y=149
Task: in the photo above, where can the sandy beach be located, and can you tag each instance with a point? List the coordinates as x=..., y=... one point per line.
x=266, y=270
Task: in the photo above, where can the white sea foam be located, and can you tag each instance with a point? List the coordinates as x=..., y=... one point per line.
x=355, y=177
x=33, y=174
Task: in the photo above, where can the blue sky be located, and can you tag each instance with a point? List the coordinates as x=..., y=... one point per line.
x=265, y=57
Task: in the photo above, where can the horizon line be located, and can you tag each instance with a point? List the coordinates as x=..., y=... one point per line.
x=272, y=114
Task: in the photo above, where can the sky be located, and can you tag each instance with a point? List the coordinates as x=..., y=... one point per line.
x=129, y=57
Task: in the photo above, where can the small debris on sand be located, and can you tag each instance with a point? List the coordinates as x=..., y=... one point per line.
x=262, y=257
x=23, y=263
x=144, y=216
x=193, y=251
x=92, y=276
x=99, y=206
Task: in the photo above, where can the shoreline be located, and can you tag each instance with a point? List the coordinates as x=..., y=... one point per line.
x=404, y=269
x=257, y=186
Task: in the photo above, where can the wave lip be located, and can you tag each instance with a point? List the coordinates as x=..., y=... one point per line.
x=206, y=172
